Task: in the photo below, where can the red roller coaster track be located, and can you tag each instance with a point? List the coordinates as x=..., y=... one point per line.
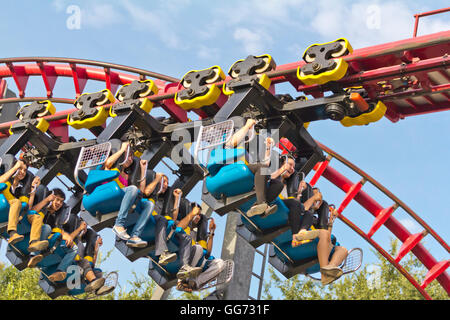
x=421, y=60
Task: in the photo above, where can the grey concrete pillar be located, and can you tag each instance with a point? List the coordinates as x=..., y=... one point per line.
x=243, y=254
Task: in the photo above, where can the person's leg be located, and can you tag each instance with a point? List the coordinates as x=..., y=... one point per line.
x=13, y=219
x=95, y=281
x=196, y=254
x=146, y=209
x=185, y=246
x=214, y=269
x=260, y=181
x=324, y=247
x=274, y=189
x=294, y=217
x=131, y=193
x=36, y=221
x=323, y=212
x=89, y=238
x=339, y=255
x=37, y=257
x=160, y=235
x=66, y=261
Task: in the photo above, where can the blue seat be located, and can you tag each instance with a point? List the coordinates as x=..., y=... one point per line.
x=230, y=180
x=277, y=219
x=97, y=177
x=303, y=252
x=105, y=199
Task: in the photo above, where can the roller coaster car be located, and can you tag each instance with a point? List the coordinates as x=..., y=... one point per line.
x=234, y=182
x=251, y=68
x=165, y=276
x=198, y=88
x=74, y=283
x=91, y=112
x=137, y=90
x=324, y=62
x=103, y=190
x=290, y=261
x=34, y=114
x=148, y=234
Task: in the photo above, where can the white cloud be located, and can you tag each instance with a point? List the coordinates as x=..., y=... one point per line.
x=208, y=53
x=254, y=42
x=158, y=23
x=100, y=15
x=369, y=23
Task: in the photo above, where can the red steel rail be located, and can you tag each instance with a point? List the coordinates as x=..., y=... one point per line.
x=383, y=216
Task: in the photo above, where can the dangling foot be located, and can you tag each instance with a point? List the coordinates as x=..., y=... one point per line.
x=306, y=235
x=14, y=238
x=37, y=245
x=121, y=232
x=136, y=242
x=270, y=210
x=167, y=257
x=257, y=209
x=35, y=260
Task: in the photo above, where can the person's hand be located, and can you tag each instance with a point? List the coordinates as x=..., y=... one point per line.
x=158, y=176
x=177, y=193
x=333, y=214
x=302, y=186
x=212, y=225
x=50, y=197
x=196, y=211
x=98, y=243
x=20, y=164
x=250, y=123
x=269, y=142
x=35, y=183
x=69, y=241
x=143, y=164
x=124, y=146
x=83, y=226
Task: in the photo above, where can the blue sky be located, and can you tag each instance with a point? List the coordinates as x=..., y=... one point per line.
x=173, y=37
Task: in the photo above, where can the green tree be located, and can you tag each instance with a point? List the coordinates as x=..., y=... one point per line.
x=381, y=281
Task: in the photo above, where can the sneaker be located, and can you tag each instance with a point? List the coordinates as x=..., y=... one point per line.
x=57, y=276
x=38, y=246
x=307, y=235
x=104, y=290
x=95, y=285
x=187, y=271
x=270, y=210
x=35, y=260
x=257, y=209
x=15, y=238
x=334, y=272
x=136, y=242
x=167, y=257
x=121, y=234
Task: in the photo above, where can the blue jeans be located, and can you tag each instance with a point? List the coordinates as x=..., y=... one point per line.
x=146, y=209
x=131, y=193
x=67, y=259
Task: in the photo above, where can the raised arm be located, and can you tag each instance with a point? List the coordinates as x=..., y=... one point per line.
x=8, y=174
x=212, y=228
x=34, y=185
x=114, y=157
x=44, y=202
x=152, y=185
x=177, y=193
x=142, y=181
x=186, y=220
x=240, y=134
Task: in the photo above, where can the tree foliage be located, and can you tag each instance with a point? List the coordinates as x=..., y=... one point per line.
x=381, y=281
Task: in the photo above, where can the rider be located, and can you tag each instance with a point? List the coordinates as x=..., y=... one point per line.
x=15, y=178
x=267, y=188
x=159, y=191
x=330, y=260
x=213, y=266
x=130, y=197
x=57, y=216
